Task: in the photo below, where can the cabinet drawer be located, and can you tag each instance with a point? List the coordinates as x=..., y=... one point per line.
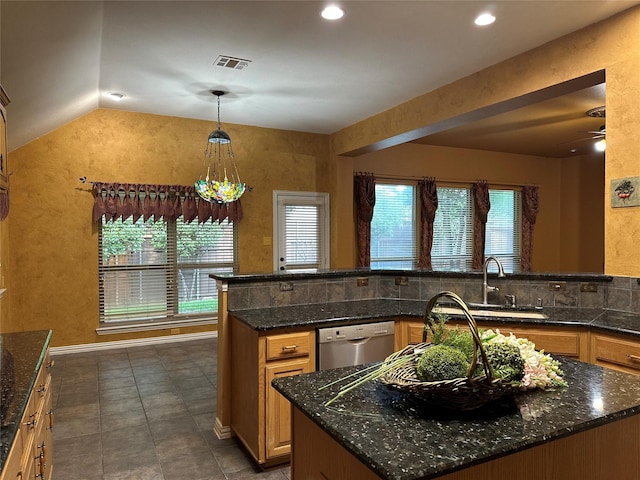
x=618, y=351
x=289, y=345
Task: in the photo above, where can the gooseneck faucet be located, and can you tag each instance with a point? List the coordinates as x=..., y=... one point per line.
x=486, y=288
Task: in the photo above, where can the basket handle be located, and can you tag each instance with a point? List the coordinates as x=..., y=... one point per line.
x=471, y=322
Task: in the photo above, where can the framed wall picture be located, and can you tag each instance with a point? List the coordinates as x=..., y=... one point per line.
x=625, y=192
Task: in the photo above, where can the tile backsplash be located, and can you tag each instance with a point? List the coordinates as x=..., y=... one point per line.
x=622, y=293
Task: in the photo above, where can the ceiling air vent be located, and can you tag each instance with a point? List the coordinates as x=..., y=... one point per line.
x=231, y=62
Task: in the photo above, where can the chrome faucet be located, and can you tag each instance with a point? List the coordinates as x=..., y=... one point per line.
x=486, y=288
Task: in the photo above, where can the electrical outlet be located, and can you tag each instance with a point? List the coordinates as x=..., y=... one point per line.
x=558, y=286
x=588, y=287
x=286, y=286
x=402, y=281
x=362, y=281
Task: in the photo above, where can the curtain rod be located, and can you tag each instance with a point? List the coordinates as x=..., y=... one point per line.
x=446, y=180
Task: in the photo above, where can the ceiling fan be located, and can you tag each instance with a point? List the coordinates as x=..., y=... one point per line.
x=597, y=135
x=600, y=134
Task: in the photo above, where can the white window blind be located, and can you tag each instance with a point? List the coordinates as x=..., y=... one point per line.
x=301, y=236
x=452, y=248
x=503, y=232
x=393, y=227
x=151, y=271
x=301, y=230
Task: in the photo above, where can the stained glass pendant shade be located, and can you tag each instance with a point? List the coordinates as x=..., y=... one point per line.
x=218, y=165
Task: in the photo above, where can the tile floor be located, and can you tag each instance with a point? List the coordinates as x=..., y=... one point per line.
x=144, y=413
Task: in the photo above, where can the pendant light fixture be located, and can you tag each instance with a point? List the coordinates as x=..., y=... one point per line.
x=218, y=165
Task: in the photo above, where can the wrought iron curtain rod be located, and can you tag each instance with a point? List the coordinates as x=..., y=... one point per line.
x=448, y=180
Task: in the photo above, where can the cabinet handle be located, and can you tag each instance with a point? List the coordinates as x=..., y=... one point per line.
x=50, y=413
x=42, y=388
x=289, y=348
x=633, y=358
x=51, y=363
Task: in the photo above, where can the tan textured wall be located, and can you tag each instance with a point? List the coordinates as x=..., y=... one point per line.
x=561, y=199
x=54, y=252
x=612, y=45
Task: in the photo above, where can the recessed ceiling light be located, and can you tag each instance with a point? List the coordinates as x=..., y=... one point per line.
x=332, y=12
x=484, y=19
x=116, y=96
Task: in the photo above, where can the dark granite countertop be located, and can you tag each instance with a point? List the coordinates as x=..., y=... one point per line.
x=285, y=276
x=26, y=352
x=355, y=311
x=399, y=442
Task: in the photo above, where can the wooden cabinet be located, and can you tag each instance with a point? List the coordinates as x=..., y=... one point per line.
x=31, y=455
x=260, y=416
x=614, y=351
x=607, y=452
x=567, y=341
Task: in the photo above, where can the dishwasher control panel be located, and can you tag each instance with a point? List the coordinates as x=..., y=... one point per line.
x=355, y=332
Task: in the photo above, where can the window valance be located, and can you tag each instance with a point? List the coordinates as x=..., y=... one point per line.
x=124, y=200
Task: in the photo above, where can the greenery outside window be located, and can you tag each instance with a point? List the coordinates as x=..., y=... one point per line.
x=393, y=227
x=158, y=271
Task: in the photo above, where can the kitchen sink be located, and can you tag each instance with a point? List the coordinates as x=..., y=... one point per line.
x=494, y=312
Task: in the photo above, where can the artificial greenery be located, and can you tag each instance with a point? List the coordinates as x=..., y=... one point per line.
x=441, y=362
x=505, y=360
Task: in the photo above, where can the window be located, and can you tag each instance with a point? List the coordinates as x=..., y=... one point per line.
x=301, y=229
x=452, y=248
x=504, y=229
x=158, y=271
x=393, y=227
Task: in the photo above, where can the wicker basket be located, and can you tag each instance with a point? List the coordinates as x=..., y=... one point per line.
x=467, y=393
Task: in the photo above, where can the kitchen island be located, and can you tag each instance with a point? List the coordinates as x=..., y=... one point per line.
x=589, y=430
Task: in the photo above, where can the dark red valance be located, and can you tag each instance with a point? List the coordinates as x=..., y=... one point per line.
x=124, y=200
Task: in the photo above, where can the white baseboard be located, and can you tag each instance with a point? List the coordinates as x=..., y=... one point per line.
x=136, y=342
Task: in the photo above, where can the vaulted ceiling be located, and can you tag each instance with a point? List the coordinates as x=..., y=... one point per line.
x=59, y=59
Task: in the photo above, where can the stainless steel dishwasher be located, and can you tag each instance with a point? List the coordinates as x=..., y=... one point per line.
x=354, y=344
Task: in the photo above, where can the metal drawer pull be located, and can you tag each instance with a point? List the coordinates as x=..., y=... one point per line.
x=51, y=363
x=633, y=358
x=50, y=413
x=289, y=348
x=33, y=422
x=42, y=388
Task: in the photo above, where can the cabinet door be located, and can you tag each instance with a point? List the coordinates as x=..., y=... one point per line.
x=278, y=409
